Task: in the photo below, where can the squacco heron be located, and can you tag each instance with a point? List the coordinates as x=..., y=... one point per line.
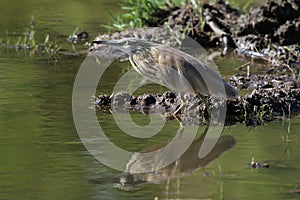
x=172, y=68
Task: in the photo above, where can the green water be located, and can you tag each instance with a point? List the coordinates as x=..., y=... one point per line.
x=42, y=157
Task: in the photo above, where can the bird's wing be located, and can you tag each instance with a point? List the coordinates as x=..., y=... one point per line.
x=161, y=68
x=179, y=71
x=196, y=74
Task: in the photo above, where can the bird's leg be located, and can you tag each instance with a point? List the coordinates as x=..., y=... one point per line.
x=178, y=184
x=173, y=173
x=181, y=129
x=167, y=187
x=182, y=104
x=204, y=100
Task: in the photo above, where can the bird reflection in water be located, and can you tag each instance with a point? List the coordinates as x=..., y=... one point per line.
x=186, y=165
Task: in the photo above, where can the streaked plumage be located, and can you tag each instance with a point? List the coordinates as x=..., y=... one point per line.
x=172, y=68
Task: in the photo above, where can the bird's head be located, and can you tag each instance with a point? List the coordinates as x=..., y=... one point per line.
x=127, y=45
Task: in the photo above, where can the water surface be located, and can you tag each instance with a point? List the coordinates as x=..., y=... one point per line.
x=42, y=156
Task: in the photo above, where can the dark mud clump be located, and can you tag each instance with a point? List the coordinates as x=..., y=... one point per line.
x=256, y=108
x=276, y=20
x=270, y=32
x=289, y=32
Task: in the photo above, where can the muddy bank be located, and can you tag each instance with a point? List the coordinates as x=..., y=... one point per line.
x=271, y=97
x=270, y=33
x=277, y=21
x=267, y=81
x=256, y=108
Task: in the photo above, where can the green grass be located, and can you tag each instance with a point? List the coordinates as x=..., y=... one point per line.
x=140, y=13
x=27, y=41
x=242, y=7
x=143, y=13
x=37, y=43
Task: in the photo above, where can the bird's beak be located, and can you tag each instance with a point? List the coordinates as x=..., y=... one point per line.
x=117, y=49
x=97, y=42
x=106, y=42
x=116, y=45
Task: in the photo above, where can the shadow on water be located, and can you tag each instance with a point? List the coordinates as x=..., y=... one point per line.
x=187, y=164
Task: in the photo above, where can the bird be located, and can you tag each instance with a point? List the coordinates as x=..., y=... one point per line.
x=137, y=173
x=172, y=68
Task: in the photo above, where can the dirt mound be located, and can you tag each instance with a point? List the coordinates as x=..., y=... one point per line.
x=276, y=20
x=256, y=108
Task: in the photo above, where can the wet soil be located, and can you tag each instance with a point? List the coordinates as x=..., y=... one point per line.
x=270, y=33
x=256, y=108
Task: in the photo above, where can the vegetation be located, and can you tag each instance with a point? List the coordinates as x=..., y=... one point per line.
x=28, y=41
x=141, y=13
x=244, y=8
x=37, y=43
